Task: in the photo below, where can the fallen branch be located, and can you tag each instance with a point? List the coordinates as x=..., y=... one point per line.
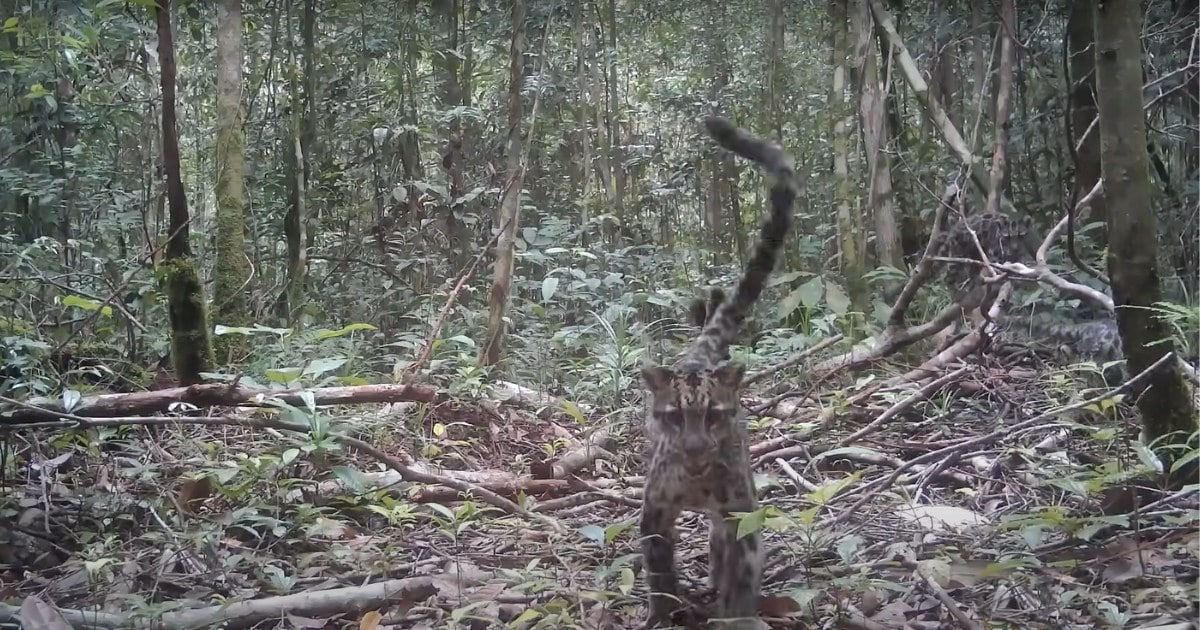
x=353, y=599
x=872, y=489
x=210, y=395
x=579, y=456
x=793, y=361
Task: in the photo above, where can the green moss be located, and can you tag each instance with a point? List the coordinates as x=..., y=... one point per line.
x=191, y=350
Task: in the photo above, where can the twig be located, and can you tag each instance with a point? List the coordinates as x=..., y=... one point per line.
x=924, y=392
x=944, y=597
x=874, y=488
x=796, y=360
x=427, y=349
x=407, y=472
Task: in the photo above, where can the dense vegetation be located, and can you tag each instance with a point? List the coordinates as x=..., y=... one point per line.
x=461, y=196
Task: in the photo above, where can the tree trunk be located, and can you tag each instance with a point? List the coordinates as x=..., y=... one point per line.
x=775, y=70
x=451, y=97
x=295, y=222
x=613, y=111
x=583, y=134
x=1133, y=247
x=492, y=348
x=231, y=273
x=187, y=308
x=1008, y=19
x=849, y=222
x=873, y=111
x=1081, y=66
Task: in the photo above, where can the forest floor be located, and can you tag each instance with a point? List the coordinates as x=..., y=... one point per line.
x=990, y=504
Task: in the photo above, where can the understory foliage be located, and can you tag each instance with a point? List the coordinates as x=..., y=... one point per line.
x=627, y=212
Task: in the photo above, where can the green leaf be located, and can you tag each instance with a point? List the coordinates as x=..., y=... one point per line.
x=574, y=411
x=791, y=302
x=88, y=305
x=352, y=479
x=549, y=286
x=750, y=522
x=464, y=340
x=835, y=297
x=321, y=366
x=529, y=615
x=827, y=491
x=616, y=529
x=345, y=330
x=283, y=376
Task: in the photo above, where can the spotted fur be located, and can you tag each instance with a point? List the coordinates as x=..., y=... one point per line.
x=1004, y=239
x=698, y=444
x=1094, y=340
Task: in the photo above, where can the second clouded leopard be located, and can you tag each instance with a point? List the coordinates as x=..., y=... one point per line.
x=698, y=451
x=1004, y=239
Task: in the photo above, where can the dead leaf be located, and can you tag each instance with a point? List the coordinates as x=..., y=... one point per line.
x=36, y=613
x=370, y=621
x=942, y=517
x=192, y=493
x=778, y=606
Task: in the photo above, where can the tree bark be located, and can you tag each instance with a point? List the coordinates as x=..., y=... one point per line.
x=187, y=309
x=295, y=222
x=775, y=66
x=849, y=223
x=1167, y=406
x=873, y=111
x=1008, y=19
x=1081, y=66
x=451, y=97
x=231, y=273
x=616, y=154
x=492, y=348
x=583, y=134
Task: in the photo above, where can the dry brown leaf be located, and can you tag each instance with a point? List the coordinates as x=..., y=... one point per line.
x=370, y=621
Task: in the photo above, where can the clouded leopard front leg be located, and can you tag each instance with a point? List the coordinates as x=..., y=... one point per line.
x=658, y=553
x=735, y=572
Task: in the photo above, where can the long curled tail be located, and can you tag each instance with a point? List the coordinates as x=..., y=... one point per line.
x=722, y=327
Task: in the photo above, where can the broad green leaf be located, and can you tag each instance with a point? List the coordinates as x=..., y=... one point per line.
x=836, y=298
x=283, y=376
x=750, y=522
x=791, y=302
x=549, y=286
x=351, y=477
x=88, y=305
x=826, y=492
x=321, y=366
x=524, y=618
x=464, y=340
x=345, y=330
x=811, y=291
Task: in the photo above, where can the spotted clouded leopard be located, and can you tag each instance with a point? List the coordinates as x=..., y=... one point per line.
x=698, y=456
x=1092, y=340
x=1004, y=239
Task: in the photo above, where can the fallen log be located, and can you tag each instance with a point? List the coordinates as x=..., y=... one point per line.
x=242, y=614
x=210, y=395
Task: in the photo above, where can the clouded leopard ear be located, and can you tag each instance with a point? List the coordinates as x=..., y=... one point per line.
x=657, y=377
x=731, y=374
